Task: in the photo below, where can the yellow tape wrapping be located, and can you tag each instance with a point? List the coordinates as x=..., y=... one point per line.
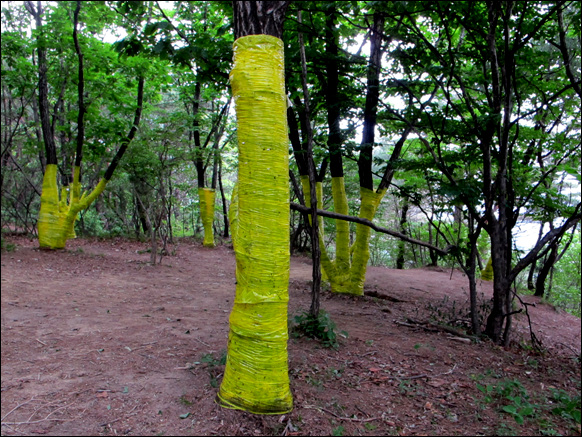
x=340, y=205
x=487, y=272
x=56, y=220
x=50, y=218
x=256, y=375
x=347, y=275
x=338, y=271
x=369, y=201
x=207, y=213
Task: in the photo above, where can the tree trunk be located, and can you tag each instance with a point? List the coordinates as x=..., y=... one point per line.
x=313, y=195
x=545, y=270
x=256, y=376
x=371, y=108
x=223, y=197
x=259, y=18
x=403, y=227
x=501, y=285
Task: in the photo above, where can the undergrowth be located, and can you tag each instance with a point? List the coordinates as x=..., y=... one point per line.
x=511, y=397
x=321, y=328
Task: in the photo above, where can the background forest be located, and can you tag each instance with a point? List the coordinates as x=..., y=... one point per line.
x=467, y=113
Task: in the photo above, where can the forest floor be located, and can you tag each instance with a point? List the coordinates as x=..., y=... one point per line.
x=96, y=341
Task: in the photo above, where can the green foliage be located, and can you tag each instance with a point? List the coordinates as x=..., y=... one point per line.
x=5, y=246
x=90, y=223
x=567, y=407
x=213, y=361
x=213, y=365
x=514, y=397
x=321, y=327
x=511, y=397
x=567, y=277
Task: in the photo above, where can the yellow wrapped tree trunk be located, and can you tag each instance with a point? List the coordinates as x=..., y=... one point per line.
x=340, y=205
x=487, y=272
x=56, y=221
x=256, y=375
x=347, y=273
x=206, y=196
x=369, y=201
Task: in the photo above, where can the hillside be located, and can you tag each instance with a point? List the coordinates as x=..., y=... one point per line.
x=95, y=341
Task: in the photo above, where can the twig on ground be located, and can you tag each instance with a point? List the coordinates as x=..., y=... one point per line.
x=572, y=349
x=352, y=419
x=428, y=326
x=46, y=418
x=143, y=345
x=120, y=418
x=205, y=344
x=18, y=406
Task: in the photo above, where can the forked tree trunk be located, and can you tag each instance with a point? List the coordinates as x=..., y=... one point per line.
x=59, y=210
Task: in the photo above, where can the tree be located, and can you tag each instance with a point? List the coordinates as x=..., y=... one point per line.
x=256, y=375
x=59, y=211
x=504, y=98
x=201, y=78
x=19, y=187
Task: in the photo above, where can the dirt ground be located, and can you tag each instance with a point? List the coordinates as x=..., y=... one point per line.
x=96, y=341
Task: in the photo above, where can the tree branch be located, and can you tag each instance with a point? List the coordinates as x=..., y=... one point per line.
x=366, y=222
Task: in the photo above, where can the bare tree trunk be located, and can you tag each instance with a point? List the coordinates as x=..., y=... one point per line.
x=403, y=230
x=224, y=207
x=259, y=18
x=315, y=249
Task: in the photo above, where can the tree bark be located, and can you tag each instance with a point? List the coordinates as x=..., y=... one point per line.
x=314, y=225
x=370, y=224
x=545, y=270
x=334, y=140
x=259, y=18
x=43, y=107
x=371, y=108
x=401, y=247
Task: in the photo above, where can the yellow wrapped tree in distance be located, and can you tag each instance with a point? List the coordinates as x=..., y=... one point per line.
x=58, y=211
x=256, y=375
x=207, y=213
x=346, y=273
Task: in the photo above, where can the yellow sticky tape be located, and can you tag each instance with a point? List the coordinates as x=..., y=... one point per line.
x=56, y=220
x=256, y=375
x=340, y=205
x=50, y=218
x=487, y=272
x=369, y=202
x=206, y=196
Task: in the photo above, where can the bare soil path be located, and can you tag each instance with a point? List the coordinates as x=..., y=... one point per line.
x=95, y=341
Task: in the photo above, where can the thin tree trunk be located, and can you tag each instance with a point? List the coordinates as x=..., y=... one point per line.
x=403, y=230
x=545, y=270
x=223, y=197
x=315, y=249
